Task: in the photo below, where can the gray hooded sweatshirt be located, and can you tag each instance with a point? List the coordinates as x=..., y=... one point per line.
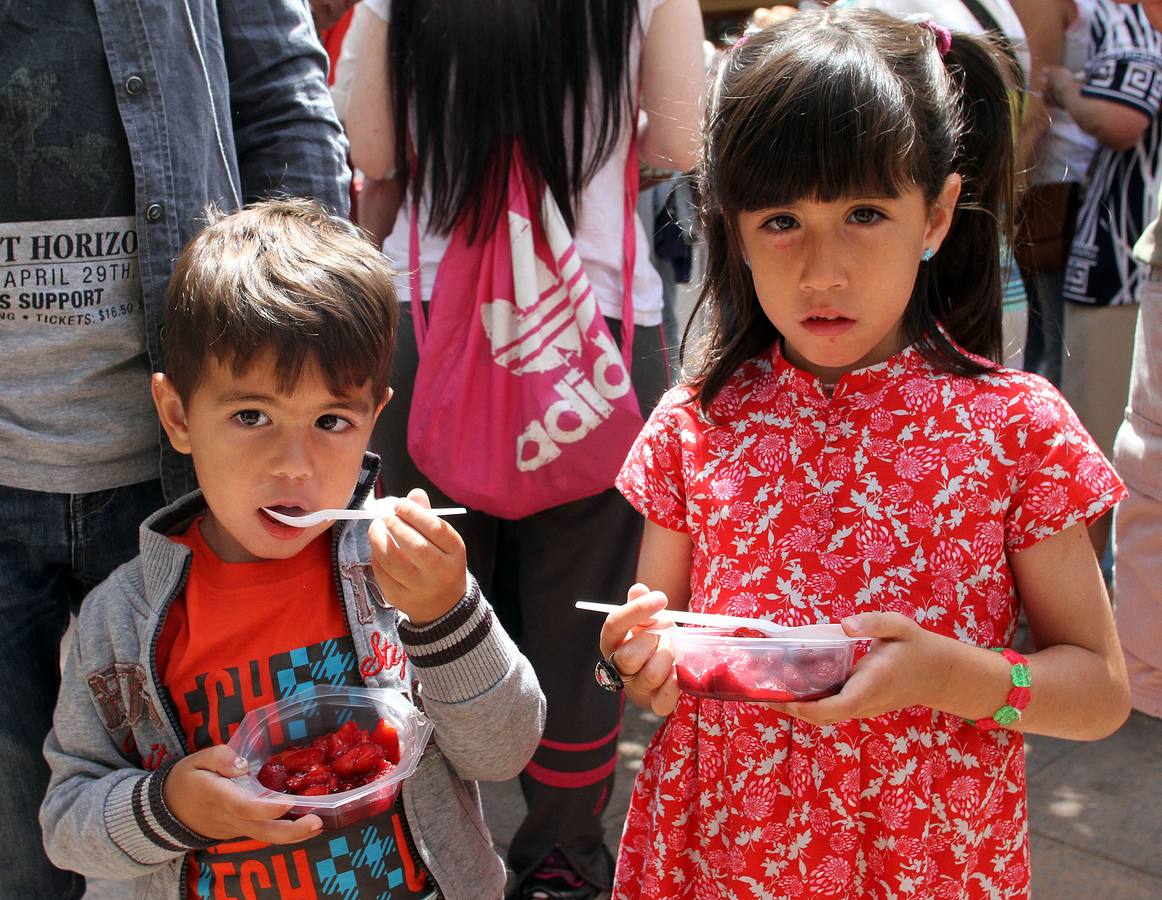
x=104, y=815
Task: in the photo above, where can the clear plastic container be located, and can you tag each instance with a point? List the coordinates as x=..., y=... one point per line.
x=808, y=664
x=308, y=713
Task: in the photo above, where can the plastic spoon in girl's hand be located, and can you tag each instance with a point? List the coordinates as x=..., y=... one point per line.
x=376, y=510
x=683, y=617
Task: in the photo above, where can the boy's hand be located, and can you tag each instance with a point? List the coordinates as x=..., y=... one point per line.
x=418, y=560
x=199, y=793
x=646, y=667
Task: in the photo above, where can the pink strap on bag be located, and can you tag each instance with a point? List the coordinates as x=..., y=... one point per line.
x=522, y=400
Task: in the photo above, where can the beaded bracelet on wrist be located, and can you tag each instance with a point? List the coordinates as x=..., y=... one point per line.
x=1019, y=694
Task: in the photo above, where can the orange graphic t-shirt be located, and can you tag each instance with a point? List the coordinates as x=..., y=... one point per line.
x=243, y=635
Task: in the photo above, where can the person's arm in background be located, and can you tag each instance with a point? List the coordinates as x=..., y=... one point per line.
x=1045, y=23
x=1115, y=125
x=286, y=134
x=379, y=199
x=1153, y=11
x=371, y=130
x=378, y=206
x=327, y=12
x=370, y=126
x=673, y=86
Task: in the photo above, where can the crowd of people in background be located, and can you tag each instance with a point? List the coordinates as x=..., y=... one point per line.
x=646, y=143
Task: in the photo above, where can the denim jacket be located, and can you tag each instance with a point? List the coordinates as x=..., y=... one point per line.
x=222, y=101
x=105, y=815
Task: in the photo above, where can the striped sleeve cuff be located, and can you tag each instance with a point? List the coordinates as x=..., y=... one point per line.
x=463, y=653
x=140, y=823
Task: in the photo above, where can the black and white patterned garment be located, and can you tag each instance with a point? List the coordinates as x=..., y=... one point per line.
x=1125, y=66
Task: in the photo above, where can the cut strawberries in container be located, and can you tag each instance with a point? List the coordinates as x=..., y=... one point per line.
x=341, y=760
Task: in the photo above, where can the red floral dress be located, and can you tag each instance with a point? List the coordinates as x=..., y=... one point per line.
x=904, y=490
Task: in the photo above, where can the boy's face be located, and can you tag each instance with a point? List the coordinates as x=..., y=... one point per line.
x=253, y=447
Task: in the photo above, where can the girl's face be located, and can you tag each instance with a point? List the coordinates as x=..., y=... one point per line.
x=835, y=278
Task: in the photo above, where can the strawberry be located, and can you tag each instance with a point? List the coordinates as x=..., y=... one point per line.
x=382, y=768
x=272, y=776
x=796, y=680
x=322, y=742
x=689, y=680
x=387, y=737
x=320, y=773
x=295, y=782
x=341, y=760
x=345, y=737
x=359, y=760
x=723, y=682
x=344, y=764
x=302, y=758
x=368, y=757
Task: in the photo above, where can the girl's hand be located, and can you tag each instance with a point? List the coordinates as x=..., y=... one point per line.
x=200, y=794
x=646, y=668
x=418, y=560
x=905, y=667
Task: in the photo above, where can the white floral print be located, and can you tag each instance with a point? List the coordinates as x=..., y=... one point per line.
x=906, y=489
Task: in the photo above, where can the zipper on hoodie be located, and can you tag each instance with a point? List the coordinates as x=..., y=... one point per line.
x=436, y=894
x=407, y=830
x=335, y=535
x=362, y=492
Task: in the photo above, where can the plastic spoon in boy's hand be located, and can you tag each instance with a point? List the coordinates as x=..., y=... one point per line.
x=376, y=510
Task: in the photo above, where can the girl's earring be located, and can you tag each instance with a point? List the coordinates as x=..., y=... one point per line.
x=746, y=262
x=927, y=255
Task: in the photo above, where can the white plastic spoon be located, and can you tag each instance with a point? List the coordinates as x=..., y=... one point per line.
x=377, y=510
x=692, y=618
x=824, y=632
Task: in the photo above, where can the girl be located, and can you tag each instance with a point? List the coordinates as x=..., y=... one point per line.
x=847, y=451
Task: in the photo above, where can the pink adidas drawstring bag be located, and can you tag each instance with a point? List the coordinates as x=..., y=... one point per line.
x=522, y=399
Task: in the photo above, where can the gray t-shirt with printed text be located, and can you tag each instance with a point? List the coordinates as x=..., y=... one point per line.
x=75, y=409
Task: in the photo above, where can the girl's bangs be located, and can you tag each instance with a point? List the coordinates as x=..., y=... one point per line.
x=837, y=125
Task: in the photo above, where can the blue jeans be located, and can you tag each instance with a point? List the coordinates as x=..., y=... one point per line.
x=53, y=549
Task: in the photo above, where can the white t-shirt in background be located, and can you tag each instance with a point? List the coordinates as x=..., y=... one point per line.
x=599, y=228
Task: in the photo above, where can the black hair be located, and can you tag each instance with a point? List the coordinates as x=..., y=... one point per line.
x=474, y=83
x=857, y=103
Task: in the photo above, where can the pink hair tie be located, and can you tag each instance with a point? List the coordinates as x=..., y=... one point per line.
x=942, y=35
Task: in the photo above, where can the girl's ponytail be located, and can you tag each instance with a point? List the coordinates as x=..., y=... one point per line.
x=964, y=281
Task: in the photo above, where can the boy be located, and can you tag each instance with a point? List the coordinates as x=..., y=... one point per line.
x=278, y=339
